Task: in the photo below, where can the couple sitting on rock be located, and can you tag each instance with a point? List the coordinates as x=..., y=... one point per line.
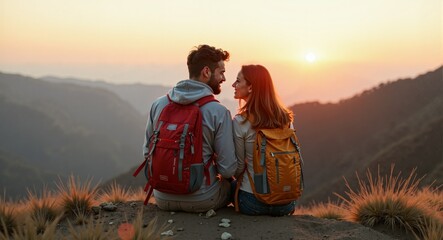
x=227, y=143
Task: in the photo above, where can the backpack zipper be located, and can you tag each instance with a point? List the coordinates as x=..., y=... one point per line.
x=273, y=154
x=276, y=153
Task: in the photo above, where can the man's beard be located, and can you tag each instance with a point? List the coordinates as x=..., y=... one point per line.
x=214, y=85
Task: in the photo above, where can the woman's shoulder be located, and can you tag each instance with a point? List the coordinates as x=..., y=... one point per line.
x=242, y=127
x=239, y=118
x=239, y=121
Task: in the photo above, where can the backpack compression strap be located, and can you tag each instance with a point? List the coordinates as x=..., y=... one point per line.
x=262, y=163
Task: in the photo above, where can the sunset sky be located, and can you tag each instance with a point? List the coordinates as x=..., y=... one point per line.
x=315, y=50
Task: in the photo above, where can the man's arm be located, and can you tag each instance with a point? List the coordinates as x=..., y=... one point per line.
x=224, y=146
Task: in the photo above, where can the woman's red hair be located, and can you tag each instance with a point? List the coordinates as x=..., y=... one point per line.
x=263, y=108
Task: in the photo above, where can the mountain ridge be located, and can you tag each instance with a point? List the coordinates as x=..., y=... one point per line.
x=343, y=138
x=139, y=95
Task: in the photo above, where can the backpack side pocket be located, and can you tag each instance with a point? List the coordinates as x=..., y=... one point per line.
x=196, y=176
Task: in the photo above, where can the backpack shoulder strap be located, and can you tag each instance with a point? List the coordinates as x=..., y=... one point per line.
x=169, y=98
x=202, y=101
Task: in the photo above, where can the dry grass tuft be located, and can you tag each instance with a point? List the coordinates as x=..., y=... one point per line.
x=8, y=222
x=115, y=193
x=38, y=216
x=140, y=195
x=137, y=195
x=81, y=217
x=390, y=201
x=327, y=210
x=29, y=231
x=77, y=198
x=430, y=229
x=42, y=210
x=432, y=197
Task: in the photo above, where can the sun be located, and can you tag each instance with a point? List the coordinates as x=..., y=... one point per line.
x=310, y=57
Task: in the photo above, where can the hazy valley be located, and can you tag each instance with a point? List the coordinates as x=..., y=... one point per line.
x=57, y=129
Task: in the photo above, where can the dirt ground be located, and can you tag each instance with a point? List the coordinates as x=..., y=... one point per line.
x=198, y=226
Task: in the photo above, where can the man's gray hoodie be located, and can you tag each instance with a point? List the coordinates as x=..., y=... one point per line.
x=217, y=136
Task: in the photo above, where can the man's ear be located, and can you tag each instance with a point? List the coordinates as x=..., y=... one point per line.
x=205, y=74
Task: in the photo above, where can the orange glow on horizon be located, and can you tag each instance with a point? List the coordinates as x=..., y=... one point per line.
x=312, y=52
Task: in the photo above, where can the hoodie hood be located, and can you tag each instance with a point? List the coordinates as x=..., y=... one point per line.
x=189, y=91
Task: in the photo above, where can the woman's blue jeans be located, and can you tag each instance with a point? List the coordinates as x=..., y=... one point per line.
x=250, y=205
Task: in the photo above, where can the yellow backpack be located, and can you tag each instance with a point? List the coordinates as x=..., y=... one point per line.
x=277, y=162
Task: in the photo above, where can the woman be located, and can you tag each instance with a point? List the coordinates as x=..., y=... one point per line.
x=260, y=108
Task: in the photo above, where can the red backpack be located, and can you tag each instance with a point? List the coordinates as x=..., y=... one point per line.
x=174, y=163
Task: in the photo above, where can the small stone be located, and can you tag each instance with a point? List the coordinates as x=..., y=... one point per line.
x=210, y=213
x=225, y=220
x=110, y=207
x=172, y=213
x=170, y=221
x=224, y=224
x=111, y=223
x=167, y=233
x=226, y=236
x=133, y=204
x=180, y=229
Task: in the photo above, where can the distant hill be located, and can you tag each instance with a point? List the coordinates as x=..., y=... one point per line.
x=398, y=122
x=140, y=96
x=49, y=129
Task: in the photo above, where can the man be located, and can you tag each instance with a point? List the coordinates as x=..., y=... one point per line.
x=206, y=72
